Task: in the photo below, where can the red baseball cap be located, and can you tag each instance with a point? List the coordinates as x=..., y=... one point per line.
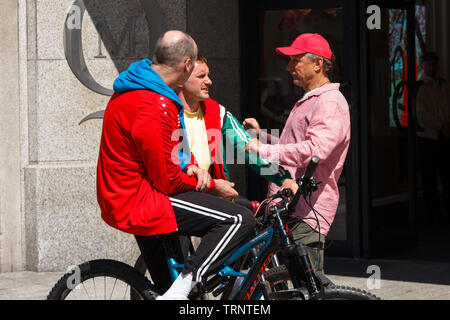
x=308, y=43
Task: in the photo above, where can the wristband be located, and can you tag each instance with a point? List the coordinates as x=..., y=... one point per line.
x=212, y=184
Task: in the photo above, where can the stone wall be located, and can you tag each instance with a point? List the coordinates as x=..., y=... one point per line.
x=52, y=219
x=10, y=200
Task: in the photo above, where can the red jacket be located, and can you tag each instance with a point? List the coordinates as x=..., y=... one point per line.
x=135, y=171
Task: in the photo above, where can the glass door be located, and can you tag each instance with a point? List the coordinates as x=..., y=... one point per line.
x=390, y=195
x=268, y=93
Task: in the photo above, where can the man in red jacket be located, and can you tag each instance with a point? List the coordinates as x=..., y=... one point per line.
x=147, y=183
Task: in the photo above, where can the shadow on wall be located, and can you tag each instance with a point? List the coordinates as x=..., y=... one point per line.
x=126, y=30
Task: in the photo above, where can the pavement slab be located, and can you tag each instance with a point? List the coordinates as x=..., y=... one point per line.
x=399, y=280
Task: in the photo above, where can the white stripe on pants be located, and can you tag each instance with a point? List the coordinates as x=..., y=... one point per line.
x=223, y=225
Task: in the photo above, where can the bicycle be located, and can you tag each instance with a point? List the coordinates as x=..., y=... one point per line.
x=230, y=281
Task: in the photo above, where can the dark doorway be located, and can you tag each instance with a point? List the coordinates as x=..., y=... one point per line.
x=389, y=152
x=268, y=94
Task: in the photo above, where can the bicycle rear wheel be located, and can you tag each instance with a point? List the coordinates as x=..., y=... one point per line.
x=103, y=280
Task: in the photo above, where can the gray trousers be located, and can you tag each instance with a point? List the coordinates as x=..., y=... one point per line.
x=313, y=241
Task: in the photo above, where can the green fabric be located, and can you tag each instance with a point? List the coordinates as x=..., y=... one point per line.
x=234, y=136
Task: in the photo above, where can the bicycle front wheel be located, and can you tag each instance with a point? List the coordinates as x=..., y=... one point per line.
x=279, y=280
x=346, y=293
x=103, y=280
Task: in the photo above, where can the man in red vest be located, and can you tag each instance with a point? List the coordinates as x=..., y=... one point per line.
x=215, y=135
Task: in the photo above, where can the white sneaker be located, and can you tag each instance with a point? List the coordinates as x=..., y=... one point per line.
x=171, y=297
x=180, y=289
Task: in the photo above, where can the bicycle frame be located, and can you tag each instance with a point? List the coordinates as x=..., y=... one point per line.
x=299, y=264
x=265, y=237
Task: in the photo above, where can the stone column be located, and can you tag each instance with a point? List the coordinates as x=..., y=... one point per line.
x=10, y=216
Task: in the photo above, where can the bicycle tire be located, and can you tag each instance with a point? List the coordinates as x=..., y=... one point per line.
x=278, y=277
x=142, y=288
x=347, y=293
x=140, y=265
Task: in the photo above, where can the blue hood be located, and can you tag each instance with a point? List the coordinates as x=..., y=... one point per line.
x=140, y=76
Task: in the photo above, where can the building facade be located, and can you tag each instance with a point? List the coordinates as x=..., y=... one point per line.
x=62, y=56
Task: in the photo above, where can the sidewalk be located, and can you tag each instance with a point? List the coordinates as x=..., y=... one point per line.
x=400, y=280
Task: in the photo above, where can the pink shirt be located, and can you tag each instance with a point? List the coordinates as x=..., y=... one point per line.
x=319, y=125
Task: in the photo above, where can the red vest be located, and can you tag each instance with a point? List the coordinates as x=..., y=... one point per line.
x=213, y=124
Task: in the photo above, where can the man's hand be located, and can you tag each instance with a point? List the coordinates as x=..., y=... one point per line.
x=252, y=124
x=203, y=177
x=290, y=184
x=225, y=190
x=253, y=147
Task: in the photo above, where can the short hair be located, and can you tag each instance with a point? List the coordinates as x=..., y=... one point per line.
x=430, y=56
x=201, y=59
x=172, y=53
x=328, y=64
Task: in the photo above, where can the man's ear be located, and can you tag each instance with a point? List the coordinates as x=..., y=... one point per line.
x=318, y=65
x=187, y=64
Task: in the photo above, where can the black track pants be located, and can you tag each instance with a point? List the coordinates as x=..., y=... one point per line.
x=222, y=225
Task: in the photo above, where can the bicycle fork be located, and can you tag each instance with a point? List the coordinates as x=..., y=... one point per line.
x=299, y=261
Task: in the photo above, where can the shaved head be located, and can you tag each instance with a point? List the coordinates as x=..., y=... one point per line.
x=173, y=47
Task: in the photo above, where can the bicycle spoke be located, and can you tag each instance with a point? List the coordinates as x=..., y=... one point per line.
x=126, y=289
x=110, y=298
x=86, y=291
x=95, y=291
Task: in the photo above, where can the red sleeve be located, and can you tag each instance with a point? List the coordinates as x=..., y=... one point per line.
x=193, y=162
x=152, y=132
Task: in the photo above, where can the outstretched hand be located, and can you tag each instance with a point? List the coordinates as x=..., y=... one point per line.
x=253, y=147
x=252, y=124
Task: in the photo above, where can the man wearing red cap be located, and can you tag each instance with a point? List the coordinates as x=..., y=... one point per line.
x=319, y=125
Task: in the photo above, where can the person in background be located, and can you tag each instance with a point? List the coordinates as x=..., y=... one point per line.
x=433, y=115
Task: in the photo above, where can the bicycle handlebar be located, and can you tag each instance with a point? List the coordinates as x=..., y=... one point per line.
x=312, y=166
x=304, y=186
